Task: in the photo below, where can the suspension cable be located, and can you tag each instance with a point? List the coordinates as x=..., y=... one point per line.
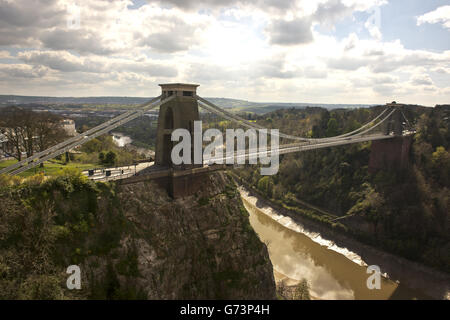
x=78, y=136
x=83, y=137
x=232, y=117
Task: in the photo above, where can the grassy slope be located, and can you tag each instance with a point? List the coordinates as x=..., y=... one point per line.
x=50, y=168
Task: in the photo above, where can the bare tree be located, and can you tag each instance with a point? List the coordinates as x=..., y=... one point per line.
x=11, y=121
x=29, y=131
x=48, y=130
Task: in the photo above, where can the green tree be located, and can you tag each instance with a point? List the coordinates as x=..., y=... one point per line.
x=101, y=157
x=332, y=127
x=95, y=145
x=265, y=185
x=110, y=158
x=370, y=205
x=441, y=165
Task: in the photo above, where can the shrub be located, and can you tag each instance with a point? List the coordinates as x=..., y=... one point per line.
x=41, y=287
x=36, y=179
x=110, y=157
x=101, y=157
x=302, y=291
x=8, y=181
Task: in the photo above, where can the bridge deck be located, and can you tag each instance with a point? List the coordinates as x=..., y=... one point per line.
x=157, y=172
x=150, y=171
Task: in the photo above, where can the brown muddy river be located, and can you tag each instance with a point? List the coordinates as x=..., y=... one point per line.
x=331, y=274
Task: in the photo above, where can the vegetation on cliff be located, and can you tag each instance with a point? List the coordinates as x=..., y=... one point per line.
x=294, y=292
x=49, y=225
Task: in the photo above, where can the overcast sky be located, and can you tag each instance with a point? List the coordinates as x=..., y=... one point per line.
x=319, y=51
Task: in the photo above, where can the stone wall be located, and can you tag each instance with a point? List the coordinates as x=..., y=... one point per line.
x=390, y=154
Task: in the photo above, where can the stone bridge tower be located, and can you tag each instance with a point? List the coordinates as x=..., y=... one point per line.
x=180, y=112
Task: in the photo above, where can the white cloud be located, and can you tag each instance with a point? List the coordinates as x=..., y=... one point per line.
x=21, y=71
x=314, y=72
x=57, y=60
x=5, y=54
x=262, y=50
x=66, y=62
x=440, y=15
x=22, y=20
x=421, y=80
x=373, y=30
x=442, y=70
x=292, y=32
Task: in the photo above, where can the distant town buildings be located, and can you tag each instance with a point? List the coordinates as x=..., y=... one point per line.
x=69, y=126
x=3, y=144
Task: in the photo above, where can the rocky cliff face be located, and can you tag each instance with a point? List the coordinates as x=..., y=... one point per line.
x=200, y=247
x=130, y=242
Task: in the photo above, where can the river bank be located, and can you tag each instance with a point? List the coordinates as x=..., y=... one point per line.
x=434, y=284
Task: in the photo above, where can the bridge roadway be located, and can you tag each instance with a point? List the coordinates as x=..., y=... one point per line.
x=117, y=173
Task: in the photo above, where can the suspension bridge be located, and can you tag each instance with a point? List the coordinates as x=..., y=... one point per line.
x=179, y=108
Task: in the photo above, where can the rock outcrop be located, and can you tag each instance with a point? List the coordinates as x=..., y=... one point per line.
x=199, y=247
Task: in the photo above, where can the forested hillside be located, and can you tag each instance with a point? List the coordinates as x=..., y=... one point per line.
x=406, y=209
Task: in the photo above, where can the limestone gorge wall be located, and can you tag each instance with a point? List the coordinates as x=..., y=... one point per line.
x=199, y=247
x=130, y=241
